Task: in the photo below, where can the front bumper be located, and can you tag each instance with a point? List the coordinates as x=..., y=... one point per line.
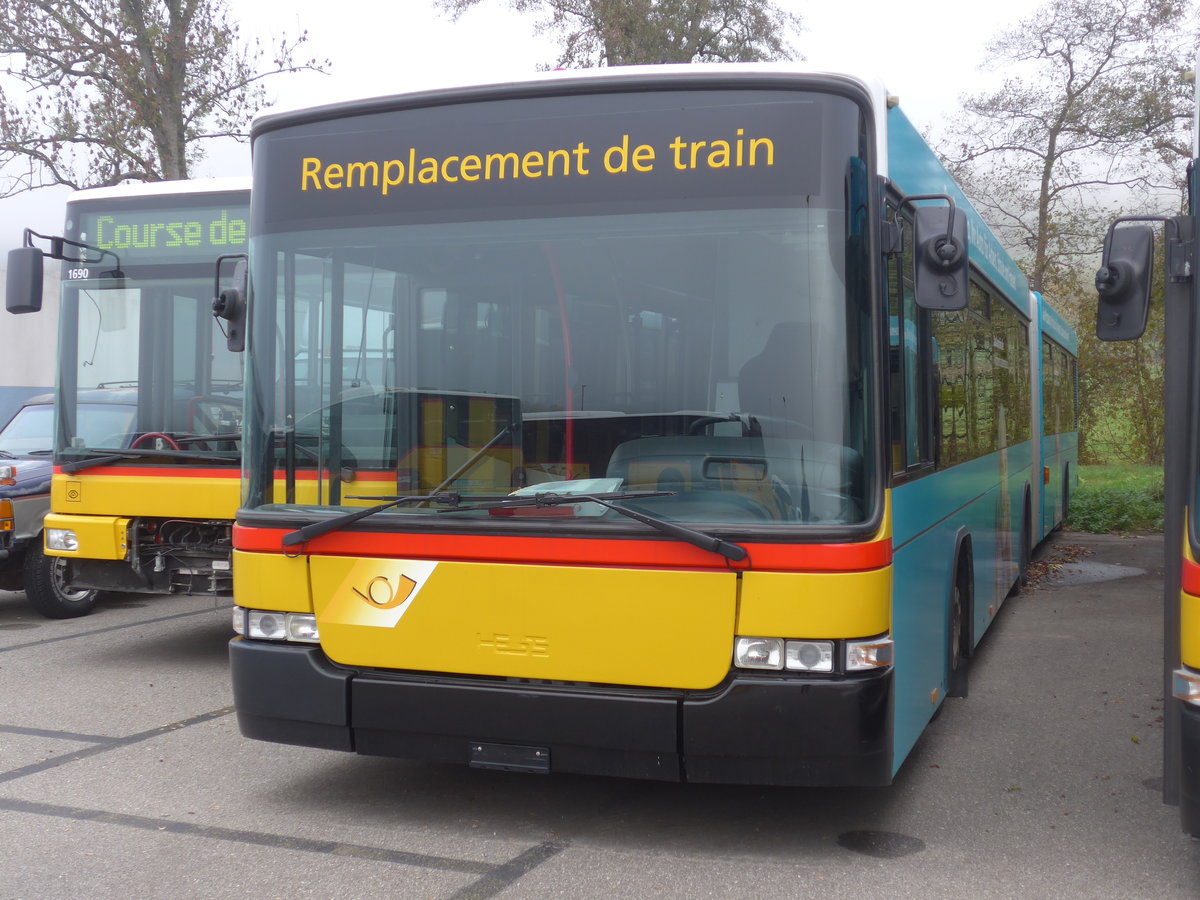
x=753, y=729
x=1189, y=793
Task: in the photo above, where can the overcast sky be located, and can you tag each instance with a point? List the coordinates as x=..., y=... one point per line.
x=926, y=51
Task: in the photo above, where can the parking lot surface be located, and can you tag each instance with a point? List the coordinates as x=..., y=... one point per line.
x=122, y=774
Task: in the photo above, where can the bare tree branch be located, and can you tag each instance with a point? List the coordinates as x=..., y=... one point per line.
x=124, y=90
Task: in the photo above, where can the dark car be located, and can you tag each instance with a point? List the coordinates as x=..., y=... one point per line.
x=25, y=469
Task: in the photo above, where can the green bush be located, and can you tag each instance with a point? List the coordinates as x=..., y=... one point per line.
x=1117, y=498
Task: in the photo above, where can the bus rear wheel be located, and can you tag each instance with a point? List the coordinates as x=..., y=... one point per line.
x=955, y=658
x=46, y=588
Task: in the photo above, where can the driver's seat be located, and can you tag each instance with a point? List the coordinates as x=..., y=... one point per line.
x=777, y=384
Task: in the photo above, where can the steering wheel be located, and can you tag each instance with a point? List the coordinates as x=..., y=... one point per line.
x=704, y=421
x=155, y=435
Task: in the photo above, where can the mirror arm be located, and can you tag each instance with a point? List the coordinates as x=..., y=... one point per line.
x=911, y=199
x=1180, y=248
x=58, y=245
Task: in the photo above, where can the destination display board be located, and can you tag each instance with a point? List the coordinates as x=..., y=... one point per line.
x=149, y=233
x=557, y=155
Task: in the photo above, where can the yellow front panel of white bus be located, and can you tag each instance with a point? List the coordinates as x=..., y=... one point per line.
x=816, y=604
x=271, y=581
x=98, y=537
x=1189, y=630
x=177, y=495
x=665, y=629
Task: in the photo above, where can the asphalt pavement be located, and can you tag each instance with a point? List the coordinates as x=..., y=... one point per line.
x=122, y=774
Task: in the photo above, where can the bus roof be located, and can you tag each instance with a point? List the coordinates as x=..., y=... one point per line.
x=163, y=188
x=917, y=169
x=534, y=83
x=1053, y=325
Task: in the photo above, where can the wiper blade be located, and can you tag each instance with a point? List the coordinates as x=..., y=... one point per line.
x=109, y=456
x=316, y=529
x=4, y=454
x=692, y=536
x=452, y=499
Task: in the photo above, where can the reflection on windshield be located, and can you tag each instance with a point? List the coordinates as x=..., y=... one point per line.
x=717, y=356
x=100, y=425
x=153, y=347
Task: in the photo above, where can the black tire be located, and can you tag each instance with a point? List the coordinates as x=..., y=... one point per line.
x=955, y=657
x=1066, y=497
x=44, y=588
x=1026, y=551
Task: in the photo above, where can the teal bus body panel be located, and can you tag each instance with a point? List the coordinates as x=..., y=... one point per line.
x=915, y=169
x=1060, y=454
x=984, y=499
x=1056, y=327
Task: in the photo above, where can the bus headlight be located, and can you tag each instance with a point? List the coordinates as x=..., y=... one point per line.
x=809, y=656
x=266, y=625
x=62, y=539
x=302, y=627
x=1186, y=685
x=758, y=653
x=875, y=653
x=271, y=625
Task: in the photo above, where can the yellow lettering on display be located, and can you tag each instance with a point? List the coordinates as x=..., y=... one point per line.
x=623, y=157
x=532, y=164
x=500, y=159
x=393, y=174
x=361, y=169
x=309, y=168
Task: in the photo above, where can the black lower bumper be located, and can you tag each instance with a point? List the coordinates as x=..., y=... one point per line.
x=198, y=578
x=751, y=730
x=1189, y=788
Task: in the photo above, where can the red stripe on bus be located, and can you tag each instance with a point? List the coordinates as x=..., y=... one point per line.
x=191, y=472
x=857, y=557
x=1191, y=577
x=153, y=472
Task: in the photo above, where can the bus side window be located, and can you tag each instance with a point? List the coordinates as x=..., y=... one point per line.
x=910, y=369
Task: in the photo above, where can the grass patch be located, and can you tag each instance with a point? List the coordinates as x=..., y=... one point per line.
x=1117, y=498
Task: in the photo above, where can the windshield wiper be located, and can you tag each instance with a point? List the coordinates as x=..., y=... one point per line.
x=454, y=503
x=316, y=529
x=4, y=454
x=109, y=456
x=692, y=536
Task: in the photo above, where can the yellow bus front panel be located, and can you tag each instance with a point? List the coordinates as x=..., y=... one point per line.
x=816, y=604
x=174, y=494
x=648, y=628
x=96, y=537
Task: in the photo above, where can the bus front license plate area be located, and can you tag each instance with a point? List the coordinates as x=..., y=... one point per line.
x=510, y=758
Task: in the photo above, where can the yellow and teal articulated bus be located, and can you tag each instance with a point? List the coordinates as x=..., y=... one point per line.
x=145, y=500
x=676, y=423
x=1123, y=283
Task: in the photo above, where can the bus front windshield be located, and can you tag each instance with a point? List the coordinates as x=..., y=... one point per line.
x=151, y=344
x=719, y=356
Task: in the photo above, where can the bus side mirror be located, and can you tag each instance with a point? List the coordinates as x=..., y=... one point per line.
x=23, y=287
x=1123, y=283
x=940, y=257
x=230, y=304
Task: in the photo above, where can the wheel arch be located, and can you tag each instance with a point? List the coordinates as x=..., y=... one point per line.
x=964, y=569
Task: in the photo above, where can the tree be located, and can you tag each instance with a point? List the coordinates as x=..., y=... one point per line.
x=123, y=90
x=630, y=32
x=1105, y=108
